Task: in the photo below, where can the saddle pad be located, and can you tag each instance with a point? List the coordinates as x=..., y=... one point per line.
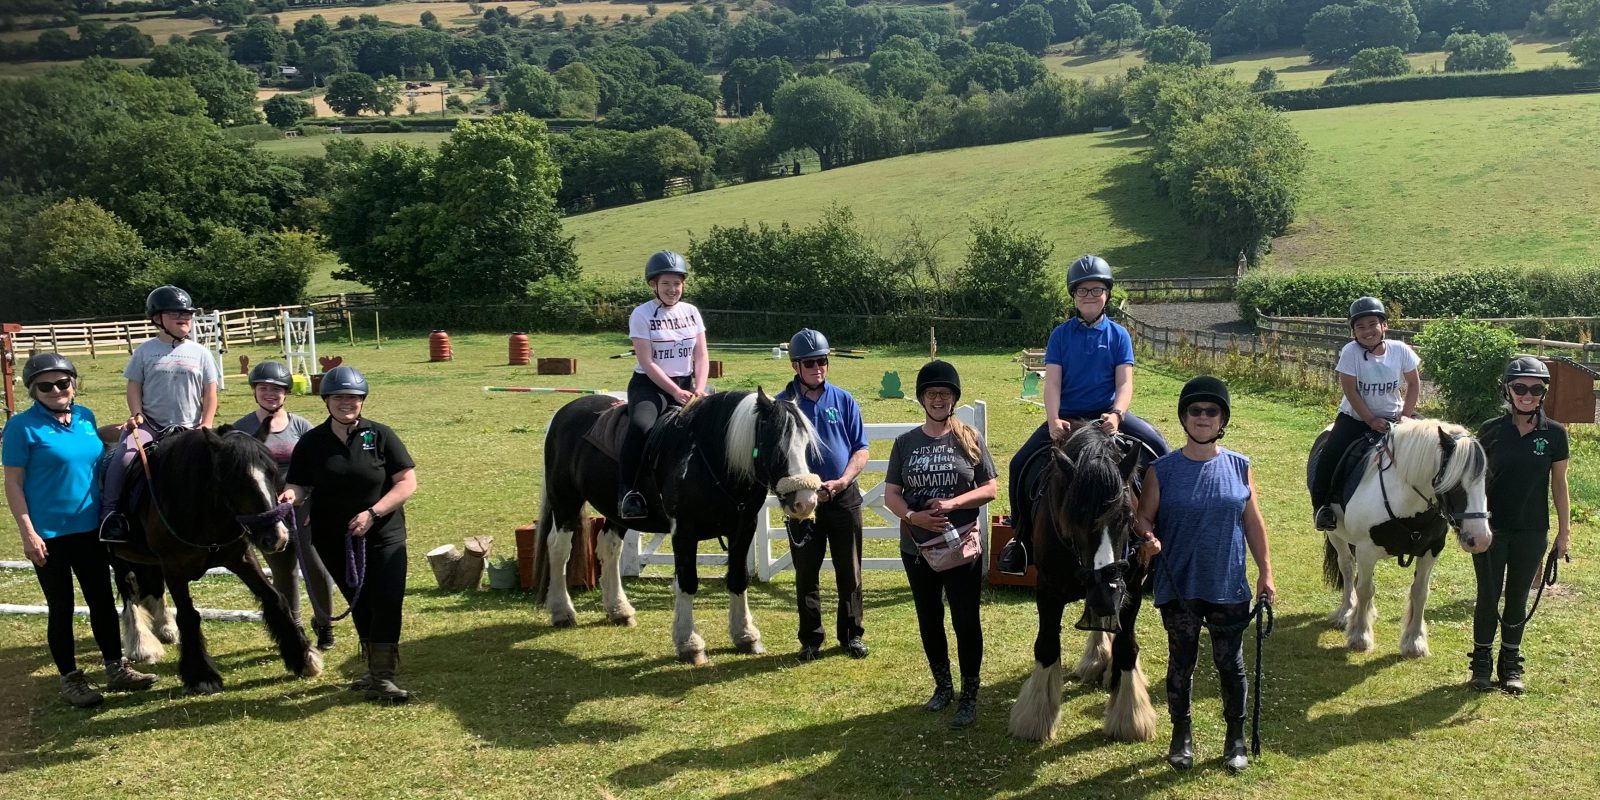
x=1352, y=465
x=608, y=431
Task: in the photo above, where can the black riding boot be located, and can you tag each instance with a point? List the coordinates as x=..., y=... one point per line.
x=324, y=633
x=1482, y=664
x=1234, y=755
x=1180, y=754
x=943, y=692
x=382, y=661
x=1511, y=671
x=967, y=709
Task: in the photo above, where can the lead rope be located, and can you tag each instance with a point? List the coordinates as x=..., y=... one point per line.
x=355, y=568
x=1552, y=570
x=1264, y=623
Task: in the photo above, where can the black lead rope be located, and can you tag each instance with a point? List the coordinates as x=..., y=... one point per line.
x=1264, y=623
x=1552, y=570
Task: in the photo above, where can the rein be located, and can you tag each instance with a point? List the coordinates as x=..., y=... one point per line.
x=1265, y=621
x=1552, y=570
x=355, y=560
x=155, y=502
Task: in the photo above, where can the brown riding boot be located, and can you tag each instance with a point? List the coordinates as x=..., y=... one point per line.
x=75, y=689
x=382, y=660
x=122, y=677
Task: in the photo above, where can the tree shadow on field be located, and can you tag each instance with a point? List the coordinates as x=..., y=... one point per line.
x=1132, y=198
x=1125, y=138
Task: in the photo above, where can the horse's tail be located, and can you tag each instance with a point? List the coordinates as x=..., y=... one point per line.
x=541, y=585
x=1331, y=574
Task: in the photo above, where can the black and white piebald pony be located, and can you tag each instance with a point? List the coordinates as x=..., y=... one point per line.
x=713, y=465
x=1082, y=523
x=1424, y=478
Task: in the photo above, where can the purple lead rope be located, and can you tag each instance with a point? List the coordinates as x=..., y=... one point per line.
x=355, y=560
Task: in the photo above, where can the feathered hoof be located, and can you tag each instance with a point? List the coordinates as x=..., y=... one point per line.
x=623, y=621
x=564, y=621
x=313, y=666
x=753, y=647
x=1038, y=708
x=694, y=658
x=203, y=687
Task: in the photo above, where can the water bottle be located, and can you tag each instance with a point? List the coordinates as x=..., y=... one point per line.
x=951, y=538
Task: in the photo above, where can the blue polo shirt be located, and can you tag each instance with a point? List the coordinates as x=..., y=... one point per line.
x=58, y=469
x=1088, y=356
x=840, y=432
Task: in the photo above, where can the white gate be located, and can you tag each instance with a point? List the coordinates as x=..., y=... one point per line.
x=763, y=563
x=208, y=334
x=300, y=344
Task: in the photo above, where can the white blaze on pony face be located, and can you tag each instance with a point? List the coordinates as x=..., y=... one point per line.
x=1476, y=534
x=280, y=531
x=1103, y=556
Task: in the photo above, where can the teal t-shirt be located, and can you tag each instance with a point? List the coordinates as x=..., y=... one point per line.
x=58, y=469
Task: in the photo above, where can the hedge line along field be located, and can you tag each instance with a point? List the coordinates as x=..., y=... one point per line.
x=508, y=707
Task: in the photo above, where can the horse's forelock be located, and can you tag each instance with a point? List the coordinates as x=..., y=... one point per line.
x=1090, y=463
x=1417, y=454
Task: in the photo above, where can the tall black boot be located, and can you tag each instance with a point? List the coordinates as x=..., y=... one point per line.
x=383, y=660
x=1234, y=753
x=967, y=709
x=1180, y=754
x=1482, y=664
x=1511, y=670
x=943, y=692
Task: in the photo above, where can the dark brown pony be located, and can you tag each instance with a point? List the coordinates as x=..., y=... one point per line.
x=211, y=493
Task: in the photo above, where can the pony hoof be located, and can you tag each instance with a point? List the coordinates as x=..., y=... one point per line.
x=694, y=658
x=167, y=635
x=622, y=621
x=564, y=622
x=1359, y=645
x=313, y=666
x=754, y=647
x=203, y=687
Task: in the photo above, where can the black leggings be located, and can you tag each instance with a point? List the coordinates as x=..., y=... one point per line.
x=377, y=612
x=1183, y=621
x=963, y=587
x=80, y=553
x=646, y=401
x=1347, y=430
x=1508, y=567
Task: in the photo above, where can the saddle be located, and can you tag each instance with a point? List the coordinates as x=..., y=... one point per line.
x=610, y=431
x=1403, y=538
x=1352, y=466
x=1033, y=471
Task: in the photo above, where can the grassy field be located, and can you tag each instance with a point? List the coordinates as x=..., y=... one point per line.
x=312, y=145
x=1449, y=184
x=508, y=707
x=1294, y=67
x=30, y=69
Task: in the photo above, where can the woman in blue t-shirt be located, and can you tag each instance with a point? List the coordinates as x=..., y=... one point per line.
x=1199, y=512
x=1088, y=375
x=49, y=456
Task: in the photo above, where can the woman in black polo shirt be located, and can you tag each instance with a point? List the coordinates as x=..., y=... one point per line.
x=361, y=475
x=1527, y=463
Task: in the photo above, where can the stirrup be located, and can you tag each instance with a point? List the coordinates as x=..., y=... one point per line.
x=633, y=506
x=1325, y=519
x=114, y=529
x=1013, y=558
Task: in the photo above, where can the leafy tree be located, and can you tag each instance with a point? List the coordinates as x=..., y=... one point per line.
x=1329, y=34
x=1466, y=358
x=750, y=84
x=1266, y=81
x=386, y=94
x=818, y=113
x=1007, y=273
x=904, y=68
x=561, y=56
x=747, y=145
x=74, y=243
x=1198, y=15
x=999, y=67
x=1029, y=27
x=531, y=90
x=327, y=61
x=623, y=71
x=230, y=12
x=666, y=105
x=754, y=37
x=228, y=89
x=1237, y=174
x=1250, y=25
x=1478, y=52
x=580, y=90
x=685, y=34
x=1118, y=22
x=260, y=42
x=1069, y=19
x=234, y=269
x=1176, y=45
x=351, y=93
x=1336, y=32
x=1374, y=62
x=430, y=21
x=283, y=110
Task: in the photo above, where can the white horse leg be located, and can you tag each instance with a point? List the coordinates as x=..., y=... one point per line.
x=1340, y=618
x=742, y=627
x=166, y=627
x=139, y=644
x=691, y=648
x=1358, y=636
x=616, y=600
x=1038, y=706
x=1414, y=628
x=1129, y=716
x=1093, y=665
x=557, y=600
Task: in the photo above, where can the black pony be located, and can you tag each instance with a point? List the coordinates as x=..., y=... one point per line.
x=211, y=492
x=1082, y=524
x=709, y=470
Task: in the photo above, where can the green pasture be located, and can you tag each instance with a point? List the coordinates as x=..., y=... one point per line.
x=313, y=145
x=33, y=69
x=1295, y=68
x=508, y=707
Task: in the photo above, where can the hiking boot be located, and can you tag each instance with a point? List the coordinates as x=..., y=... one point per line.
x=122, y=677
x=967, y=708
x=382, y=660
x=114, y=529
x=1511, y=671
x=1180, y=754
x=856, y=648
x=943, y=691
x=364, y=682
x=1013, y=558
x=324, y=636
x=809, y=652
x=632, y=506
x=1482, y=664
x=1326, y=520
x=1233, y=756
x=75, y=689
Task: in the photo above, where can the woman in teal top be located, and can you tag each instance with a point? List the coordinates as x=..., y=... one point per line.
x=49, y=457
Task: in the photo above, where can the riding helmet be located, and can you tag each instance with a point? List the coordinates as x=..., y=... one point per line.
x=1368, y=307
x=167, y=298
x=938, y=374
x=808, y=343
x=1205, y=388
x=1525, y=367
x=1088, y=268
x=273, y=372
x=343, y=380
x=41, y=363
x=665, y=262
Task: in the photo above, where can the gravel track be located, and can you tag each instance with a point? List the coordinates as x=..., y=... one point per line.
x=1219, y=317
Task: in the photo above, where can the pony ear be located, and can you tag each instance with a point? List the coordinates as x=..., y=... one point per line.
x=762, y=400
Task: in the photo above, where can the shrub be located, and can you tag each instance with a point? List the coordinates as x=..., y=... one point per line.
x=1473, y=52
x=1006, y=275
x=1266, y=81
x=1492, y=292
x=238, y=270
x=1374, y=62
x=1465, y=359
x=1518, y=83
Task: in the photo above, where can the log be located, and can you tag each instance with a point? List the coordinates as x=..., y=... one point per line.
x=446, y=561
x=469, y=570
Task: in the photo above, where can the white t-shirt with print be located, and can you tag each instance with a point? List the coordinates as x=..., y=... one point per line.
x=672, y=332
x=1379, y=379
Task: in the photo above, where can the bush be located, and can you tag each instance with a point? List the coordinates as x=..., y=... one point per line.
x=1465, y=360
x=1007, y=276
x=1518, y=83
x=1266, y=81
x=1374, y=62
x=238, y=270
x=1472, y=52
x=1493, y=292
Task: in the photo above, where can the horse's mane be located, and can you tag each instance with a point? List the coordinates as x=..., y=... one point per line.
x=1093, y=464
x=189, y=464
x=1417, y=454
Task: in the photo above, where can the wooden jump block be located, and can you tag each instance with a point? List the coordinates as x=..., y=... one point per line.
x=558, y=366
x=583, y=567
x=716, y=370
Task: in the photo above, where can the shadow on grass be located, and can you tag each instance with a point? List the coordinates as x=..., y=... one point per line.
x=1124, y=137
x=1160, y=243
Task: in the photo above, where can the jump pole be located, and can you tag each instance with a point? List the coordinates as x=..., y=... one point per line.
x=541, y=390
x=83, y=611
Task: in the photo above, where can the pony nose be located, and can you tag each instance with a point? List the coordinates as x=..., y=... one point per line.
x=803, y=503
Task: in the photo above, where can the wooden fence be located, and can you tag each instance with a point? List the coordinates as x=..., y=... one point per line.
x=1312, y=361
x=119, y=337
x=1314, y=331
x=1145, y=290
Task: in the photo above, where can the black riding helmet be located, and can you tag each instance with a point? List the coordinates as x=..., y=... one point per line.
x=343, y=380
x=1204, y=388
x=40, y=363
x=1525, y=367
x=807, y=343
x=1368, y=307
x=273, y=372
x=938, y=374
x=665, y=262
x=1088, y=268
x=167, y=298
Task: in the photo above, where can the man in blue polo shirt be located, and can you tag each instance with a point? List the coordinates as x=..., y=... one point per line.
x=1088, y=376
x=841, y=457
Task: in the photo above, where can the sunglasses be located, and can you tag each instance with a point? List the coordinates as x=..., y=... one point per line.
x=1090, y=291
x=56, y=386
x=1522, y=389
x=1205, y=411
x=813, y=363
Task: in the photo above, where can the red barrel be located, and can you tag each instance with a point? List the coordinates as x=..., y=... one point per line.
x=520, y=350
x=439, y=346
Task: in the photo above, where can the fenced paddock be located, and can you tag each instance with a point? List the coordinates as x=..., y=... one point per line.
x=237, y=327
